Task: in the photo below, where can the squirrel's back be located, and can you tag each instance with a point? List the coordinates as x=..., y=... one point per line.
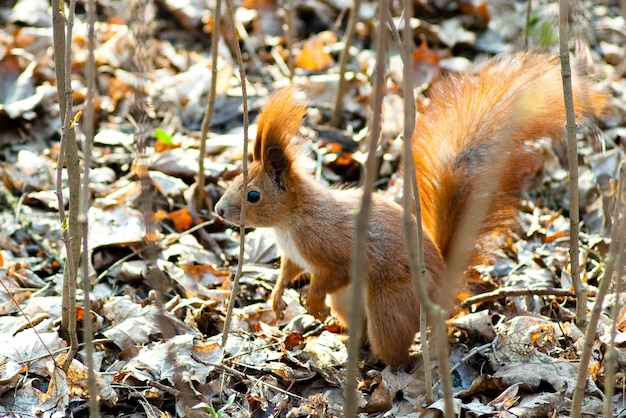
x=469, y=143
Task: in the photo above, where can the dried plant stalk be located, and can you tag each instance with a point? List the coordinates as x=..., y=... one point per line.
x=619, y=263
x=210, y=105
x=527, y=24
x=612, y=269
x=343, y=61
x=572, y=157
x=244, y=167
x=68, y=155
x=358, y=269
x=410, y=192
x=90, y=74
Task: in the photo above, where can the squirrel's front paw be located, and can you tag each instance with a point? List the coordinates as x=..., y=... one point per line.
x=278, y=304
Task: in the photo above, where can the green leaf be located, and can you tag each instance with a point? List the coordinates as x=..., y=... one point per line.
x=163, y=136
x=231, y=399
x=547, y=34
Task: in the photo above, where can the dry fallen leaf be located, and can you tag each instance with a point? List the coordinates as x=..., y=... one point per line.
x=156, y=72
x=314, y=55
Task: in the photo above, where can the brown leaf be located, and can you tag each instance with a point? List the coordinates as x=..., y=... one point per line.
x=314, y=55
x=478, y=10
x=381, y=400
x=292, y=340
x=182, y=219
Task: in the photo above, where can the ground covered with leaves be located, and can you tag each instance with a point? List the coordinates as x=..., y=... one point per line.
x=158, y=347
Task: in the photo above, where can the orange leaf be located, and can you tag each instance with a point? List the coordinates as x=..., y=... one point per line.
x=424, y=55
x=293, y=340
x=182, y=219
x=556, y=235
x=159, y=215
x=198, y=270
x=476, y=9
x=344, y=159
x=314, y=56
x=334, y=148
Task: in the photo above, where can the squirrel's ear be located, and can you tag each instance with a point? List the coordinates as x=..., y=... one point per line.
x=277, y=166
x=258, y=147
x=278, y=123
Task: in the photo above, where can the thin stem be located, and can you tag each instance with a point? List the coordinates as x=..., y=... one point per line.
x=210, y=106
x=90, y=72
x=572, y=159
x=361, y=221
x=244, y=191
x=411, y=198
x=612, y=268
x=343, y=61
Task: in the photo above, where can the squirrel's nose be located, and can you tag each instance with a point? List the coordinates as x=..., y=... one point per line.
x=219, y=209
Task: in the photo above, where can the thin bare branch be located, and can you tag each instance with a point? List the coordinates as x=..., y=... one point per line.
x=620, y=260
x=358, y=270
x=527, y=24
x=612, y=268
x=68, y=156
x=572, y=157
x=290, y=27
x=244, y=189
x=210, y=105
x=505, y=292
x=90, y=73
x=343, y=61
x=410, y=192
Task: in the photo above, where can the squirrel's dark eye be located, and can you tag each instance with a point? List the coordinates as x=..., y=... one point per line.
x=254, y=196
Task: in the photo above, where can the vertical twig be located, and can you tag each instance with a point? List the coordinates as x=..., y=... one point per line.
x=620, y=260
x=613, y=267
x=358, y=269
x=414, y=243
x=343, y=61
x=210, y=105
x=410, y=193
x=527, y=25
x=290, y=23
x=244, y=189
x=68, y=155
x=58, y=33
x=438, y=316
x=572, y=158
x=242, y=33
x=90, y=73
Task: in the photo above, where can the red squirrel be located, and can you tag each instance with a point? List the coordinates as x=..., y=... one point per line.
x=472, y=119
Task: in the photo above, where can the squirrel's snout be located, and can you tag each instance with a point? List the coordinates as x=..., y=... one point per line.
x=219, y=209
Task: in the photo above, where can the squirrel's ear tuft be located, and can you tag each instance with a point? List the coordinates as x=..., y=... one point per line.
x=278, y=123
x=276, y=164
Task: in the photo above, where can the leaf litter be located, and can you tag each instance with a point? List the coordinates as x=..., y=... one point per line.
x=515, y=355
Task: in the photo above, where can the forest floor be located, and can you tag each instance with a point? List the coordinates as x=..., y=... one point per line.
x=158, y=345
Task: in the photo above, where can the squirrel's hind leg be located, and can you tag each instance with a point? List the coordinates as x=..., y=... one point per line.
x=392, y=322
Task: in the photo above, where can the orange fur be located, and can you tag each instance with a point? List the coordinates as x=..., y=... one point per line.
x=474, y=129
x=280, y=122
x=476, y=120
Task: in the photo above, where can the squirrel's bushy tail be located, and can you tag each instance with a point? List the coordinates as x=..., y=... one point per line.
x=469, y=144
